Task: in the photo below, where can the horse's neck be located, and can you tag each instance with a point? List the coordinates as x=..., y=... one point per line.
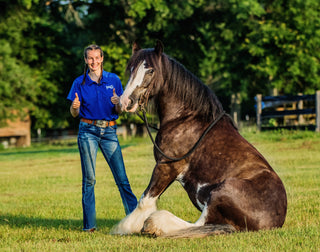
x=170, y=109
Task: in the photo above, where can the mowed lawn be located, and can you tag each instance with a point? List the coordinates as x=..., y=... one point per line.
x=40, y=199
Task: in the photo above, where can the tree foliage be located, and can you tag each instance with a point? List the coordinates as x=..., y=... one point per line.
x=234, y=46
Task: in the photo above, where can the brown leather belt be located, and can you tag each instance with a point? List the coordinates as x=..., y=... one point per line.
x=99, y=123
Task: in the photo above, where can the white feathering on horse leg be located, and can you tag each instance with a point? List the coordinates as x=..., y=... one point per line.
x=163, y=222
x=202, y=219
x=133, y=222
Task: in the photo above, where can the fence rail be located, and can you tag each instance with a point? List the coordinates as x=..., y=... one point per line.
x=276, y=107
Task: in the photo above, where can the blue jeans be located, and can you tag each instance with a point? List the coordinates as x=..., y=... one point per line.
x=91, y=137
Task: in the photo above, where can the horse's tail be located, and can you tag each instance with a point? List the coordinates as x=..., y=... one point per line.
x=200, y=231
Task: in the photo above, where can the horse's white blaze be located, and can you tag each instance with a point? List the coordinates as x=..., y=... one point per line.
x=133, y=222
x=132, y=84
x=199, y=186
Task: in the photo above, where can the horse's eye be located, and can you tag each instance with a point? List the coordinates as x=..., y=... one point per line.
x=151, y=71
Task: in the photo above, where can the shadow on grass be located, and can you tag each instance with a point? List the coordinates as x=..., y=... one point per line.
x=20, y=221
x=38, y=151
x=48, y=149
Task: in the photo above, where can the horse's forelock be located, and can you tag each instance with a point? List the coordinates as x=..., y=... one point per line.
x=151, y=60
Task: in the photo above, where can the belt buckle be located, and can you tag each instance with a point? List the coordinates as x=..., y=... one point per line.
x=101, y=123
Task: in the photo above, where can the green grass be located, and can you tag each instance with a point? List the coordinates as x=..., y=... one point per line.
x=40, y=199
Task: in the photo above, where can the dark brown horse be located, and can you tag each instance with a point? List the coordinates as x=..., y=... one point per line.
x=226, y=178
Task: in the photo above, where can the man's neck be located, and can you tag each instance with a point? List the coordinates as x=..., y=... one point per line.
x=95, y=76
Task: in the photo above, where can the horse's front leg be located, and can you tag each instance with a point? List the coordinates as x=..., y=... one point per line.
x=161, y=178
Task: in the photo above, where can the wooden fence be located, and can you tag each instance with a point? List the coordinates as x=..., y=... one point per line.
x=288, y=111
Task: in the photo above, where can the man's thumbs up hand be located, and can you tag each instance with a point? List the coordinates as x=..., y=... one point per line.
x=76, y=102
x=115, y=99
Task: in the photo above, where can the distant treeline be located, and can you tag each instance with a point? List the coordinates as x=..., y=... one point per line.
x=241, y=47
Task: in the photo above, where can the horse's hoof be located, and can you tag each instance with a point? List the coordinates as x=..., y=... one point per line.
x=151, y=229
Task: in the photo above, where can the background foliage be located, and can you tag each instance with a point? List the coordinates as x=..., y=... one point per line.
x=234, y=46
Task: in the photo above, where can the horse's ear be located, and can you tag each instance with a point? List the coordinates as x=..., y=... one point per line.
x=135, y=47
x=158, y=48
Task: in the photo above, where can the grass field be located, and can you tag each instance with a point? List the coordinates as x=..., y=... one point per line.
x=40, y=199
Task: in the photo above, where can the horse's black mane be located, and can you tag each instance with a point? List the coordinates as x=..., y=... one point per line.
x=181, y=82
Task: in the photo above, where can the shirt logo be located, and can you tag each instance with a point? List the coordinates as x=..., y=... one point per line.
x=109, y=87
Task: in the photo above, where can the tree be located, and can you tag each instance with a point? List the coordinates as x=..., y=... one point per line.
x=288, y=40
x=34, y=56
x=234, y=46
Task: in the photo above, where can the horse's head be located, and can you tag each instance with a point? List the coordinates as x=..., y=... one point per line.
x=145, y=71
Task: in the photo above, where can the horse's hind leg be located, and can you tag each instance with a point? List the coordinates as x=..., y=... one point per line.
x=248, y=204
x=163, y=222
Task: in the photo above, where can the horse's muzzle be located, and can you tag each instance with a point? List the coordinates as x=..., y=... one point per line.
x=128, y=104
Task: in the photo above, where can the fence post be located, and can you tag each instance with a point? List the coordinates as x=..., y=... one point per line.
x=236, y=108
x=300, y=106
x=259, y=110
x=318, y=111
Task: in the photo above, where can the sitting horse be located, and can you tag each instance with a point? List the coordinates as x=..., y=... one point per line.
x=225, y=177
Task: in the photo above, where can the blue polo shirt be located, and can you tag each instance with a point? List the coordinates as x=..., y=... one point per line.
x=95, y=99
